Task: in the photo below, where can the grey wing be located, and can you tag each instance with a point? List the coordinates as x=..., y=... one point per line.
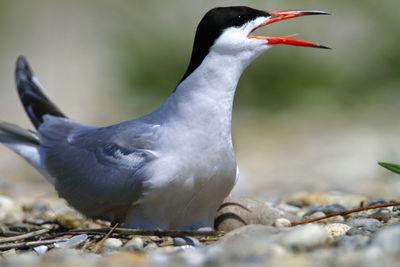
x=99, y=171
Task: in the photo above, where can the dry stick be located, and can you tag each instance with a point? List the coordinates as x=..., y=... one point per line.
x=31, y=244
x=24, y=236
x=100, y=244
x=9, y=233
x=125, y=231
x=347, y=212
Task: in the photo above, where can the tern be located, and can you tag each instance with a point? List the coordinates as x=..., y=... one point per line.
x=170, y=169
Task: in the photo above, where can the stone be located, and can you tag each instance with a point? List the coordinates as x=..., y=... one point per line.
x=368, y=224
x=150, y=247
x=388, y=239
x=41, y=249
x=248, y=231
x=346, y=200
x=337, y=219
x=72, y=242
x=135, y=244
x=288, y=208
x=112, y=243
x=297, y=203
x=304, y=237
x=354, y=231
x=326, y=209
x=236, y=212
x=10, y=211
x=314, y=215
x=247, y=246
x=336, y=229
x=381, y=215
x=282, y=222
x=186, y=240
x=346, y=243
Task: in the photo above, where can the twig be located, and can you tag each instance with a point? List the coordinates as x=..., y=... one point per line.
x=9, y=233
x=346, y=212
x=125, y=231
x=100, y=244
x=24, y=236
x=31, y=244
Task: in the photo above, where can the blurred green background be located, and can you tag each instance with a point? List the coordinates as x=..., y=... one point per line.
x=304, y=119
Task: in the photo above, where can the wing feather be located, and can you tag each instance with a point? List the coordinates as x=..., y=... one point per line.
x=99, y=171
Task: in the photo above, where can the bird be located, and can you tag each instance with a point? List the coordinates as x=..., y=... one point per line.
x=170, y=169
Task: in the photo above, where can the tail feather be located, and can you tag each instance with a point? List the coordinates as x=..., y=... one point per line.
x=14, y=133
x=33, y=98
x=26, y=144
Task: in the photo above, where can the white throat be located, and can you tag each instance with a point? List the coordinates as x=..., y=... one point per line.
x=208, y=92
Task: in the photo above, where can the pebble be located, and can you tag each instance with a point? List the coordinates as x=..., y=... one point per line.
x=41, y=249
x=282, y=222
x=327, y=209
x=296, y=203
x=288, y=208
x=354, y=231
x=247, y=246
x=382, y=215
x=388, y=239
x=135, y=244
x=313, y=215
x=186, y=240
x=248, y=232
x=10, y=211
x=376, y=202
x=72, y=242
x=336, y=229
x=150, y=247
x=302, y=238
x=346, y=243
x=111, y=244
x=368, y=224
x=346, y=200
x=194, y=257
x=361, y=239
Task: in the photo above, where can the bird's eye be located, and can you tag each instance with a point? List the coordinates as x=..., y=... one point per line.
x=239, y=20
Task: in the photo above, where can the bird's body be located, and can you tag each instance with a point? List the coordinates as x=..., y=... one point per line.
x=170, y=169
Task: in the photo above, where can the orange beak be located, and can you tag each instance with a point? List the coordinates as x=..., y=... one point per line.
x=282, y=15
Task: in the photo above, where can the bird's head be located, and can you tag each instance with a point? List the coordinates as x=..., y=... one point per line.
x=228, y=30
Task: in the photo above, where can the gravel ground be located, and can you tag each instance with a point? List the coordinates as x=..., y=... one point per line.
x=63, y=237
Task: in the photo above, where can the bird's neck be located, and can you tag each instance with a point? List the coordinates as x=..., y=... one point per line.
x=205, y=97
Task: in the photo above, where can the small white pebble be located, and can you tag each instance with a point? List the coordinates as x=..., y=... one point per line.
x=41, y=249
x=112, y=243
x=135, y=243
x=186, y=240
x=336, y=229
x=282, y=222
x=150, y=247
x=316, y=215
x=338, y=219
x=72, y=242
x=288, y=208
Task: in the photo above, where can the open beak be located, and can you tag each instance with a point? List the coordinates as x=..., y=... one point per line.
x=289, y=14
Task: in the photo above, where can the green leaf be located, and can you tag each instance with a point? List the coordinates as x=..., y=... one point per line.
x=390, y=166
